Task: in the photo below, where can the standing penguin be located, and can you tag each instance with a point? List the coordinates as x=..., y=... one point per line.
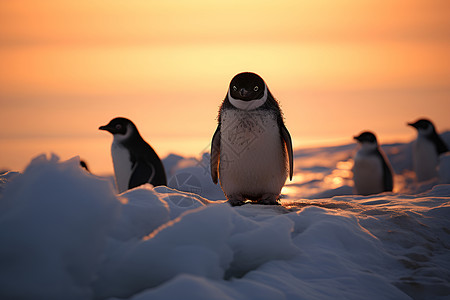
x=426, y=150
x=135, y=162
x=372, y=172
x=251, y=150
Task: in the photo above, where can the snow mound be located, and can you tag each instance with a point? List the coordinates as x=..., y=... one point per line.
x=54, y=220
x=65, y=234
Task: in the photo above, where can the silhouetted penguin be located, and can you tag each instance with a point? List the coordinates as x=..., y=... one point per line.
x=135, y=162
x=83, y=164
x=426, y=150
x=372, y=172
x=251, y=150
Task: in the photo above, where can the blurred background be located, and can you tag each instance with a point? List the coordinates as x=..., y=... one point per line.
x=337, y=68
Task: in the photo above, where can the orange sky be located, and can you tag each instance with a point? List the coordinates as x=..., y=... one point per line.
x=337, y=67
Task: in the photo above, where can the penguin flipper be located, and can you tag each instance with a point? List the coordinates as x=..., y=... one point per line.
x=288, y=142
x=142, y=173
x=388, y=180
x=441, y=146
x=215, y=155
x=158, y=176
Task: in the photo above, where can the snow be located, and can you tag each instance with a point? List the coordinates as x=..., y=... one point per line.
x=53, y=230
x=65, y=234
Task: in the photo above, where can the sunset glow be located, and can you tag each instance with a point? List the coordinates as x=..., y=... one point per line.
x=337, y=68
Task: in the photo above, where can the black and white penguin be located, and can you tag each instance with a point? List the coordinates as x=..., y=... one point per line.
x=251, y=150
x=135, y=162
x=372, y=172
x=426, y=150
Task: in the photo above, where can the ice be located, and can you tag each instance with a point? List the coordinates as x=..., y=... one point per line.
x=192, y=175
x=134, y=221
x=194, y=244
x=194, y=287
x=65, y=234
x=54, y=220
x=5, y=177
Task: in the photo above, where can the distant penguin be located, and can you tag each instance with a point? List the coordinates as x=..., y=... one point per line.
x=135, y=162
x=251, y=150
x=372, y=172
x=426, y=150
x=83, y=165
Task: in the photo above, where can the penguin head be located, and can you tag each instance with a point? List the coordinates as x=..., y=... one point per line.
x=423, y=126
x=367, y=140
x=120, y=128
x=247, y=91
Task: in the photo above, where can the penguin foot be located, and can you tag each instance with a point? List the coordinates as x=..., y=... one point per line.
x=236, y=200
x=270, y=199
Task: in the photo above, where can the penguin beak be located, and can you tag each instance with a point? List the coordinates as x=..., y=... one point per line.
x=243, y=92
x=105, y=127
x=411, y=124
x=356, y=138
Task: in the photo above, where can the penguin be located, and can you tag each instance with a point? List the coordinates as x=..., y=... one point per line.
x=426, y=150
x=135, y=162
x=83, y=165
x=372, y=172
x=251, y=149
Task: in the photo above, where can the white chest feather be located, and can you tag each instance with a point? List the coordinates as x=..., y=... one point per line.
x=252, y=156
x=122, y=166
x=425, y=159
x=368, y=174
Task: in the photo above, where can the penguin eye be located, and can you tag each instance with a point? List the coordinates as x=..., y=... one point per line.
x=118, y=126
x=234, y=88
x=256, y=88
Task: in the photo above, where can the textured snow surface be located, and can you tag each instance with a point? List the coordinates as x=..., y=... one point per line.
x=65, y=234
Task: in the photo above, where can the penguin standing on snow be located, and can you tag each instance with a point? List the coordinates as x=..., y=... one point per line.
x=135, y=162
x=426, y=150
x=251, y=150
x=372, y=172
